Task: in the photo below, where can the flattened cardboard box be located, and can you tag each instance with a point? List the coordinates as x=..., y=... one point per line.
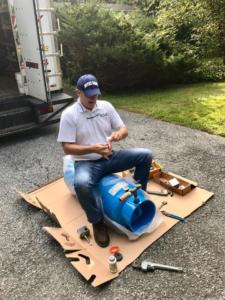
x=88, y=258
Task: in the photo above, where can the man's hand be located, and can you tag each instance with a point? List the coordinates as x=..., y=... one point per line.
x=103, y=149
x=115, y=137
x=118, y=135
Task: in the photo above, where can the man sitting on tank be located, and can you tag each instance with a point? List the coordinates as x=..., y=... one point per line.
x=87, y=130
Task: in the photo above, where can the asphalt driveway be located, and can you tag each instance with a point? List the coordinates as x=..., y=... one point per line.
x=33, y=265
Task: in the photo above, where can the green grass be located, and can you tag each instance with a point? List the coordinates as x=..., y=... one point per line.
x=200, y=106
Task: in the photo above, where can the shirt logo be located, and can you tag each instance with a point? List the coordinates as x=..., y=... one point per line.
x=97, y=115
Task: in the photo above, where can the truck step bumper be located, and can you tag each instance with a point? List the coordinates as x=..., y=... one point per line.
x=17, y=116
x=18, y=128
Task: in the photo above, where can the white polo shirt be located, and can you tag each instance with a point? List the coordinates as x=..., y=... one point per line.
x=84, y=127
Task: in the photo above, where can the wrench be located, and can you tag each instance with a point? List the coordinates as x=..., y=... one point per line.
x=162, y=204
x=173, y=216
x=162, y=192
x=146, y=266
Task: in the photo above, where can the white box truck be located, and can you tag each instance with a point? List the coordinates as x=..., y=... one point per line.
x=31, y=92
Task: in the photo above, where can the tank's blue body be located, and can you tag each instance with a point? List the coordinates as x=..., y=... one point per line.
x=134, y=215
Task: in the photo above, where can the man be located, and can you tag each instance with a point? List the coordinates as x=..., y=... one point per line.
x=87, y=129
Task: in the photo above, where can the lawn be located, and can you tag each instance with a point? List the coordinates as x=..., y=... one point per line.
x=200, y=106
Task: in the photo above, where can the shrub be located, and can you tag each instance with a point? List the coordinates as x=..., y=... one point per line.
x=131, y=51
x=211, y=70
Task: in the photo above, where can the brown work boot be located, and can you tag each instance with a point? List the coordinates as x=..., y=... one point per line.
x=101, y=234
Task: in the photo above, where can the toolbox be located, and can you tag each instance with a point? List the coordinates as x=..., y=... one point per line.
x=174, y=183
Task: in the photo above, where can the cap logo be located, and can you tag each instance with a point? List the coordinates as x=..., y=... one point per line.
x=89, y=83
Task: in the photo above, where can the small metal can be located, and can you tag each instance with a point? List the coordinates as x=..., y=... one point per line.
x=112, y=264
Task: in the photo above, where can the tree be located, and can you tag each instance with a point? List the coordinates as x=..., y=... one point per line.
x=217, y=10
x=148, y=7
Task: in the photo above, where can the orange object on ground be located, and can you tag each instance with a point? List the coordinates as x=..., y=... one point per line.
x=114, y=249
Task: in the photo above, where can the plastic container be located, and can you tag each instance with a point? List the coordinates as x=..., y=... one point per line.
x=135, y=213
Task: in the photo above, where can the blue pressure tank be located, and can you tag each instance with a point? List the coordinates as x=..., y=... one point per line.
x=125, y=203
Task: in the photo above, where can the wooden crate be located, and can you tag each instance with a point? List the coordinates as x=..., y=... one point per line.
x=163, y=179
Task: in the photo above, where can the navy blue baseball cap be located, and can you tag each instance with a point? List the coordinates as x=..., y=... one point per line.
x=88, y=84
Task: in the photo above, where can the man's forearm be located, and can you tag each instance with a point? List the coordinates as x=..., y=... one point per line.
x=75, y=149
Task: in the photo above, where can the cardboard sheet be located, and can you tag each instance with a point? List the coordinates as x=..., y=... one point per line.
x=88, y=258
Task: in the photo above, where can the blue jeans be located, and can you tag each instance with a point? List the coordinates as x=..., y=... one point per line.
x=88, y=173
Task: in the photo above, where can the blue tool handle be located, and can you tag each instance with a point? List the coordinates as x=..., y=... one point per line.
x=174, y=217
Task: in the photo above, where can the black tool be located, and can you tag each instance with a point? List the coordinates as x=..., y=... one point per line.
x=84, y=233
x=147, y=266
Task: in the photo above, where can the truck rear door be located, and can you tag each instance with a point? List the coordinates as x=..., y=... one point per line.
x=36, y=48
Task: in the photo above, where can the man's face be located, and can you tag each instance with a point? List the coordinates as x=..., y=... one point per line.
x=87, y=102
